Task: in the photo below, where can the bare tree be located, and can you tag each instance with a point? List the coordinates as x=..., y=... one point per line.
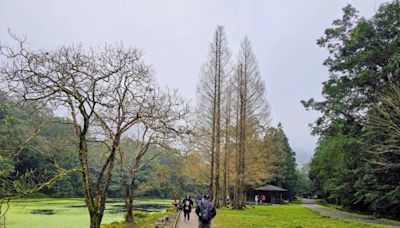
x=213, y=75
x=163, y=120
x=252, y=112
x=81, y=81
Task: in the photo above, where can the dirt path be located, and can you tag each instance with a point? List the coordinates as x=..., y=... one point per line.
x=310, y=203
x=192, y=223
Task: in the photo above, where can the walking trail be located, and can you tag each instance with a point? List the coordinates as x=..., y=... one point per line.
x=192, y=223
x=310, y=203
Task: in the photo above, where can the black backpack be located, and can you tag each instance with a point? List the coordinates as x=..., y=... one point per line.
x=205, y=212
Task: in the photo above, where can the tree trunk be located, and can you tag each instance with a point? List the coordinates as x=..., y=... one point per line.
x=243, y=136
x=237, y=163
x=227, y=141
x=214, y=120
x=126, y=190
x=129, y=200
x=211, y=189
x=218, y=123
x=129, y=213
x=129, y=209
x=95, y=216
x=224, y=189
x=95, y=220
x=241, y=131
x=241, y=153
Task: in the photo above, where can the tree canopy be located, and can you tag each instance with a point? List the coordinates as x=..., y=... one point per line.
x=356, y=163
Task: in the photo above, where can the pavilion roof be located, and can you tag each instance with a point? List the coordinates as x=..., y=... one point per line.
x=271, y=188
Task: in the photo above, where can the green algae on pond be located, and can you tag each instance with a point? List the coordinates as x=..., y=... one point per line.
x=43, y=212
x=69, y=212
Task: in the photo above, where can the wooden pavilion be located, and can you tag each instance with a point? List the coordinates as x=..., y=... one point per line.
x=270, y=194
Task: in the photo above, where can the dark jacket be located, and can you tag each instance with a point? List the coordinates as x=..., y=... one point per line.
x=205, y=203
x=187, y=201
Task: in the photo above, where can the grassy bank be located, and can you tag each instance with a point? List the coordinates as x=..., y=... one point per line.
x=57, y=213
x=341, y=209
x=143, y=220
x=280, y=216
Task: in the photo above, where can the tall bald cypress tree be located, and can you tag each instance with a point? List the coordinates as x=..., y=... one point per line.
x=209, y=92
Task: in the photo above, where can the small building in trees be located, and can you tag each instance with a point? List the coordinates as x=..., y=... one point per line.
x=270, y=194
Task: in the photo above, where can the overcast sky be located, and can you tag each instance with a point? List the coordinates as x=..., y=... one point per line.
x=175, y=36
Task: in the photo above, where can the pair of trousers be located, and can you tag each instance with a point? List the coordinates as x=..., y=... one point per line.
x=186, y=214
x=204, y=224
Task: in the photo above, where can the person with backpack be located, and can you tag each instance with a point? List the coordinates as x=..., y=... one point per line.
x=187, y=207
x=206, y=211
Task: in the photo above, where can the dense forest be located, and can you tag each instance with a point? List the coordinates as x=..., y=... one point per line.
x=36, y=144
x=356, y=162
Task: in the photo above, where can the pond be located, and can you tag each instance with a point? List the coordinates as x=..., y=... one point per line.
x=51, y=212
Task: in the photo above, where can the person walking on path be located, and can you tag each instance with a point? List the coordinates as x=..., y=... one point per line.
x=206, y=212
x=187, y=207
x=256, y=199
x=176, y=204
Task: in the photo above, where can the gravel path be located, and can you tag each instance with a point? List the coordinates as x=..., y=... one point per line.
x=192, y=223
x=310, y=203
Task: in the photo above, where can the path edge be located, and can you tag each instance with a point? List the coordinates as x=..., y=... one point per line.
x=177, y=219
x=374, y=221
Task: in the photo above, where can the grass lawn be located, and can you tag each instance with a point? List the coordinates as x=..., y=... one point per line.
x=280, y=216
x=55, y=213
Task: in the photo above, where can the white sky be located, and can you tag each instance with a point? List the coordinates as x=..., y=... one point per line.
x=175, y=36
